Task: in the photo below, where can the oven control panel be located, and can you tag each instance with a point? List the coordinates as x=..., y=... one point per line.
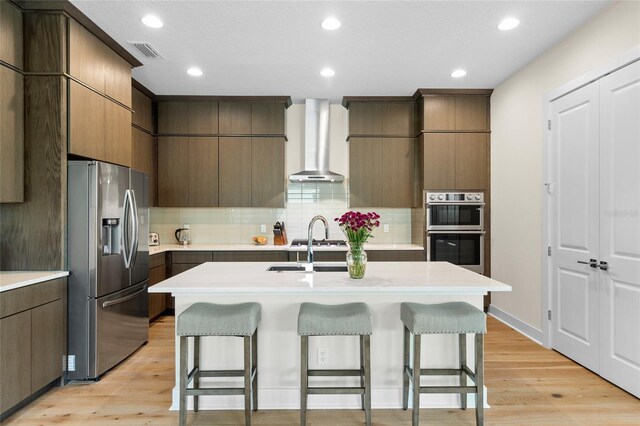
x=454, y=197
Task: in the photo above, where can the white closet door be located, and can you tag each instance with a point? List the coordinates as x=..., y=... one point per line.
x=574, y=217
x=620, y=227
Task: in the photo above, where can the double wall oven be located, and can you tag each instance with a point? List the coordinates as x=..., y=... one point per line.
x=455, y=228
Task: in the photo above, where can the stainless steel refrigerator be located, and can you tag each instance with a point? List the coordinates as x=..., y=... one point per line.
x=108, y=258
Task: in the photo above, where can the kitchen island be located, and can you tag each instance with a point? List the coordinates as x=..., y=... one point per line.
x=384, y=287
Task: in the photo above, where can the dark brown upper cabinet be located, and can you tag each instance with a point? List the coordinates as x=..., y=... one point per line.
x=142, y=115
x=379, y=116
x=267, y=118
x=235, y=118
x=453, y=110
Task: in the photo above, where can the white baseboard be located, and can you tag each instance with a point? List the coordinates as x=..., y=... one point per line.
x=520, y=326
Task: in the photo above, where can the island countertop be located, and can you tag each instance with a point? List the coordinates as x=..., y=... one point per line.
x=380, y=278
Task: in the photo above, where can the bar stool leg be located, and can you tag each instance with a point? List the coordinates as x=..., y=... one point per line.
x=367, y=379
x=362, y=372
x=304, y=383
x=405, y=366
x=479, y=379
x=416, y=380
x=254, y=364
x=183, y=381
x=247, y=380
x=462, y=347
x=196, y=364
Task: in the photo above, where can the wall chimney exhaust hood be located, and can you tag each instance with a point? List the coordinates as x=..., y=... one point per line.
x=316, y=144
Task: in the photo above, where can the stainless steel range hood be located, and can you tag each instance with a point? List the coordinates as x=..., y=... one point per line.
x=316, y=144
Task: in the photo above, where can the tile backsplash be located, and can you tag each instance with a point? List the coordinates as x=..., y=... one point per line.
x=218, y=225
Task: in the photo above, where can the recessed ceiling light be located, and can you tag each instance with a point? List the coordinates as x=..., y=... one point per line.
x=152, y=21
x=458, y=73
x=331, y=24
x=194, y=71
x=508, y=24
x=327, y=72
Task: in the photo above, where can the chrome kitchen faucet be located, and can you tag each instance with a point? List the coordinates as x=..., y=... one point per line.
x=309, y=266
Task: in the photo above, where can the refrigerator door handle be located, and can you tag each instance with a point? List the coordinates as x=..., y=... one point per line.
x=125, y=298
x=136, y=227
x=128, y=249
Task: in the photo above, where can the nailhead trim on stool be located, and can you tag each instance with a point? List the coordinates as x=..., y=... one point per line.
x=209, y=319
x=352, y=319
x=445, y=318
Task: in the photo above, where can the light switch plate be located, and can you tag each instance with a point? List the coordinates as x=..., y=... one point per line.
x=263, y=228
x=385, y=227
x=323, y=356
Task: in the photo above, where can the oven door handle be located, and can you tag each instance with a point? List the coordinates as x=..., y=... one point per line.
x=456, y=232
x=431, y=204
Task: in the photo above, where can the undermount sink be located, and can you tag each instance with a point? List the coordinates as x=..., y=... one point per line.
x=300, y=268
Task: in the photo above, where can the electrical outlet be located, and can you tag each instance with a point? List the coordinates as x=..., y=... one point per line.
x=71, y=363
x=323, y=356
x=263, y=228
x=385, y=227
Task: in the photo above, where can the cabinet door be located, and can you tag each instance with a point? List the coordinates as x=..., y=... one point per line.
x=365, y=118
x=157, y=301
x=142, y=115
x=203, y=172
x=11, y=134
x=117, y=137
x=47, y=347
x=86, y=135
x=439, y=112
x=143, y=159
x=398, y=172
x=365, y=172
x=203, y=118
x=398, y=119
x=117, y=77
x=173, y=171
x=234, y=118
x=11, y=34
x=471, y=112
x=234, y=172
x=439, y=161
x=86, y=56
x=267, y=172
x=15, y=359
x=471, y=161
x=267, y=118
x=173, y=118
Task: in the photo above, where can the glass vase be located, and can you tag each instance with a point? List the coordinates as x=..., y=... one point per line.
x=356, y=260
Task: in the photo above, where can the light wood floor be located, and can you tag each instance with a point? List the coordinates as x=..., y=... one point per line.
x=528, y=385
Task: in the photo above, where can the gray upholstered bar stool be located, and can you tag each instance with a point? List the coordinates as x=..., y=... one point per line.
x=454, y=317
x=209, y=319
x=352, y=319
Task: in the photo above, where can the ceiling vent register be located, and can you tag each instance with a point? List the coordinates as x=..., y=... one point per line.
x=146, y=49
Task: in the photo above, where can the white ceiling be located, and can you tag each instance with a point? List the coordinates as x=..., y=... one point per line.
x=382, y=48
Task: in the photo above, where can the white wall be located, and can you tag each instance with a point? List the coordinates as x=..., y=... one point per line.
x=517, y=117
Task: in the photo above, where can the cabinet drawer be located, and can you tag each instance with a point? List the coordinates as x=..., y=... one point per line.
x=178, y=268
x=156, y=260
x=395, y=255
x=319, y=256
x=157, y=274
x=15, y=358
x=24, y=298
x=250, y=256
x=191, y=257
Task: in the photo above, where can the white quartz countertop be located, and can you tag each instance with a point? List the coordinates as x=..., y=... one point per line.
x=10, y=280
x=270, y=247
x=380, y=278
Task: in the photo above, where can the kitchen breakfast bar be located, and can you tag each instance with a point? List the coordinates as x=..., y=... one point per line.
x=385, y=286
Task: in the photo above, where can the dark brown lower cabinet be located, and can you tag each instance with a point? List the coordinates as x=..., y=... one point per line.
x=32, y=340
x=157, y=273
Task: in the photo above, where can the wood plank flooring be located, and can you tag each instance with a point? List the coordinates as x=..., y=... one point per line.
x=528, y=385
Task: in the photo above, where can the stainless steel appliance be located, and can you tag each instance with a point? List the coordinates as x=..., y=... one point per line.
x=183, y=235
x=455, y=228
x=154, y=239
x=108, y=257
x=446, y=211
